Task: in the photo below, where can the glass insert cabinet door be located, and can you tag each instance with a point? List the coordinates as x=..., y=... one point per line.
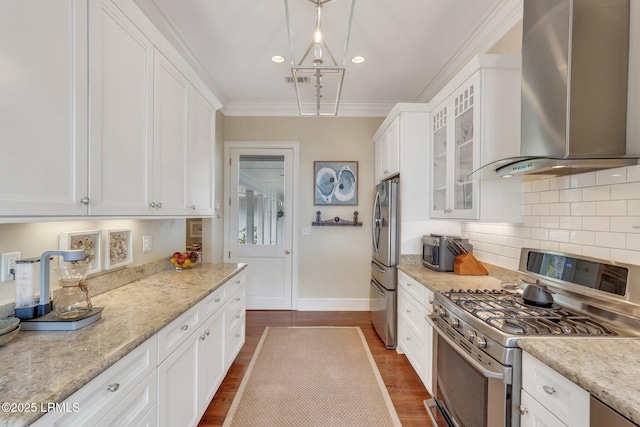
x=463, y=107
x=440, y=158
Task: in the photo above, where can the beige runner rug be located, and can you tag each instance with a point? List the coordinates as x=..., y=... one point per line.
x=312, y=376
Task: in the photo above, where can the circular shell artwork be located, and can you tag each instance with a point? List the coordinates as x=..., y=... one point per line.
x=336, y=183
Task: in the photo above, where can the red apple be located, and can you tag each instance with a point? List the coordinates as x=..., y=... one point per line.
x=176, y=255
x=180, y=261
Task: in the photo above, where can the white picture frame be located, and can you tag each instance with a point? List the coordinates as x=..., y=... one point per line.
x=90, y=241
x=118, y=248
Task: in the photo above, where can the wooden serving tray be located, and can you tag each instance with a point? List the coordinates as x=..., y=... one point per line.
x=468, y=265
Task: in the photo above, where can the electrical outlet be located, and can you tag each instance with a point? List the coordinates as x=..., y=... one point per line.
x=8, y=262
x=147, y=243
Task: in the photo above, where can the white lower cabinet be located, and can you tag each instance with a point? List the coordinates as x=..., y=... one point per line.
x=550, y=399
x=170, y=379
x=415, y=334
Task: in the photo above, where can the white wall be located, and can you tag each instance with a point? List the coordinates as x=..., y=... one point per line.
x=32, y=239
x=596, y=214
x=334, y=261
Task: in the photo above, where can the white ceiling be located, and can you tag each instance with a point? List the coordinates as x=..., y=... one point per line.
x=411, y=46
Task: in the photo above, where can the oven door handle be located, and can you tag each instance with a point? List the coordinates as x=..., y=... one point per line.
x=488, y=373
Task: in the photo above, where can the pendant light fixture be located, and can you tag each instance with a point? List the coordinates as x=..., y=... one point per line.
x=318, y=77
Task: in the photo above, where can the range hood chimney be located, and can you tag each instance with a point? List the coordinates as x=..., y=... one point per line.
x=575, y=62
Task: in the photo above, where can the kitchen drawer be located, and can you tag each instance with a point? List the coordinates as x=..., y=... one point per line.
x=413, y=313
x=412, y=286
x=411, y=346
x=236, y=302
x=536, y=415
x=235, y=282
x=234, y=341
x=565, y=399
x=132, y=410
x=213, y=302
x=176, y=332
x=99, y=397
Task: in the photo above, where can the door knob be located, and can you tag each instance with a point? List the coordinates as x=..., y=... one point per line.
x=287, y=251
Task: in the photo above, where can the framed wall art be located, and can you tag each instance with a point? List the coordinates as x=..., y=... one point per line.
x=118, y=248
x=195, y=229
x=335, y=182
x=89, y=241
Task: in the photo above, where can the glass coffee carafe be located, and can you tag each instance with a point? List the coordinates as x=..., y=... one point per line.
x=72, y=300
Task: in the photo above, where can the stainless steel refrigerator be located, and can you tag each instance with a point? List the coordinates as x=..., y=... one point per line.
x=384, y=275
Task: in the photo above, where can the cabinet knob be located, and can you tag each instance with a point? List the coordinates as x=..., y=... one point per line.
x=113, y=387
x=84, y=201
x=158, y=205
x=238, y=299
x=238, y=316
x=193, y=207
x=184, y=327
x=548, y=389
x=287, y=251
x=217, y=300
x=152, y=204
x=408, y=311
x=238, y=335
x=430, y=300
x=207, y=332
x=203, y=337
x=408, y=338
x=522, y=410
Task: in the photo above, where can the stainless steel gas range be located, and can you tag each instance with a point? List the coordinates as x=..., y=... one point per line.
x=478, y=362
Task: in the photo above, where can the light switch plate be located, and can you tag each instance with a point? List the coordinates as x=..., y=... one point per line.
x=147, y=243
x=306, y=231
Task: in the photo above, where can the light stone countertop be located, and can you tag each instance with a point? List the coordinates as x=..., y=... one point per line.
x=608, y=368
x=47, y=367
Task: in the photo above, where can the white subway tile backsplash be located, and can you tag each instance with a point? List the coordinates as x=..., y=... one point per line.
x=559, y=208
x=590, y=194
x=540, y=185
x=629, y=224
x=572, y=195
x=570, y=222
x=583, y=180
x=559, y=236
x=570, y=248
x=583, y=208
x=550, y=196
x=583, y=237
x=559, y=182
x=633, y=207
x=596, y=252
x=531, y=198
x=633, y=173
x=550, y=221
x=611, y=208
x=629, y=190
x=540, y=209
x=595, y=214
x=611, y=240
x=595, y=223
x=611, y=176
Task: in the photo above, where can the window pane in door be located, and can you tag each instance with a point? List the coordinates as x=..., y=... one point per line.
x=261, y=198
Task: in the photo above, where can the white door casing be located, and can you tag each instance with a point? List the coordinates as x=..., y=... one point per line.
x=272, y=261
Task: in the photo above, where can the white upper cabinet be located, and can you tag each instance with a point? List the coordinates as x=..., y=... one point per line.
x=200, y=156
x=387, y=147
x=121, y=114
x=171, y=96
x=476, y=121
x=43, y=107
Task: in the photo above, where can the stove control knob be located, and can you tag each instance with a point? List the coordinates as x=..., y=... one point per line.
x=471, y=335
x=481, y=342
x=441, y=312
x=455, y=322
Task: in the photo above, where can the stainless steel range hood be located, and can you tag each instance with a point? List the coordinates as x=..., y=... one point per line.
x=575, y=59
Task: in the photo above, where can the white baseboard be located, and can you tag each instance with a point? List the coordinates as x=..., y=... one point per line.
x=334, y=304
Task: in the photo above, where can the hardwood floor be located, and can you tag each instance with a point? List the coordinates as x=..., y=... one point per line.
x=405, y=388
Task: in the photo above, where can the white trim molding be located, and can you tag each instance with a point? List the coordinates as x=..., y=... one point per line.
x=334, y=304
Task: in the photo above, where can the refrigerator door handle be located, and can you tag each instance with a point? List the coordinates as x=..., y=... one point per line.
x=376, y=268
x=376, y=223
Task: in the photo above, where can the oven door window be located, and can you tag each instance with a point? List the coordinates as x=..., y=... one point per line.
x=469, y=397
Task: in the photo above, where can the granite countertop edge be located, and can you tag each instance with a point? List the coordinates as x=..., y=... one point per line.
x=198, y=283
x=613, y=385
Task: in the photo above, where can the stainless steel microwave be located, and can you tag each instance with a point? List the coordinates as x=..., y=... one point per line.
x=436, y=254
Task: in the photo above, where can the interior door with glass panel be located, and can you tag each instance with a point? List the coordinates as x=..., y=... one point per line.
x=260, y=224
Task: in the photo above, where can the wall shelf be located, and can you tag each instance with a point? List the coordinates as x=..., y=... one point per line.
x=337, y=221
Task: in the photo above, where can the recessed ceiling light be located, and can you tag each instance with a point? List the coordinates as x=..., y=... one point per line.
x=357, y=59
x=277, y=59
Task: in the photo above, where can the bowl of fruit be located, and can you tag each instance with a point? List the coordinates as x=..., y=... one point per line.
x=184, y=260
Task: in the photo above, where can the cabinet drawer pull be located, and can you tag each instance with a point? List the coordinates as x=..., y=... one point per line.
x=408, y=311
x=159, y=205
x=430, y=300
x=238, y=316
x=238, y=335
x=548, y=389
x=113, y=387
x=203, y=337
x=217, y=300
x=238, y=299
x=408, y=338
x=84, y=201
x=184, y=327
x=152, y=204
x=193, y=207
x=207, y=332
x=238, y=281
x=522, y=410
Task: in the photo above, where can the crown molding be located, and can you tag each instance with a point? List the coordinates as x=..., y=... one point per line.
x=290, y=109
